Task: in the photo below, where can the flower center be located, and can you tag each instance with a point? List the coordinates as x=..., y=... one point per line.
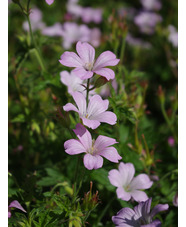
x=88, y=66
x=92, y=150
x=127, y=188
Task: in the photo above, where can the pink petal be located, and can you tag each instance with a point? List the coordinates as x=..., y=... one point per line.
x=139, y=196
x=107, y=58
x=82, y=73
x=9, y=213
x=115, y=178
x=70, y=59
x=122, y=194
x=122, y=216
x=65, y=77
x=105, y=72
x=49, y=2
x=93, y=162
x=158, y=208
x=84, y=136
x=103, y=141
x=17, y=205
x=93, y=124
x=86, y=52
x=96, y=106
x=142, y=181
x=73, y=147
x=80, y=102
x=107, y=117
x=111, y=154
x=127, y=172
x=70, y=107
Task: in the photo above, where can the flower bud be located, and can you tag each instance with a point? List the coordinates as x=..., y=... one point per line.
x=100, y=82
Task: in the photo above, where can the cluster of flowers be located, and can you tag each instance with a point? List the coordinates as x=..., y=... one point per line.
x=92, y=111
x=70, y=32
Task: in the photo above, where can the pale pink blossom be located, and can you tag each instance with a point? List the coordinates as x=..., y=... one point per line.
x=151, y=4
x=85, y=64
x=49, y=2
x=173, y=35
x=127, y=185
x=94, y=149
x=74, y=83
x=15, y=204
x=93, y=114
x=54, y=30
x=91, y=15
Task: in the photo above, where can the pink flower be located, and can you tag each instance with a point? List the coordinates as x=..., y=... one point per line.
x=85, y=64
x=127, y=185
x=49, y=2
x=94, y=149
x=74, y=83
x=171, y=141
x=15, y=204
x=151, y=4
x=91, y=15
x=54, y=30
x=94, y=113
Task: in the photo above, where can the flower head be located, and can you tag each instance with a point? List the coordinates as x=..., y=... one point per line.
x=74, y=83
x=94, y=149
x=94, y=113
x=140, y=216
x=85, y=64
x=127, y=185
x=49, y=2
x=15, y=204
x=151, y=4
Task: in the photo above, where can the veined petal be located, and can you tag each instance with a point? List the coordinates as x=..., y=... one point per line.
x=105, y=72
x=143, y=209
x=158, y=208
x=82, y=73
x=139, y=196
x=80, y=102
x=111, y=154
x=65, y=77
x=93, y=124
x=103, y=141
x=142, y=181
x=122, y=194
x=155, y=223
x=127, y=172
x=70, y=107
x=115, y=178
x=93, y=162
x=96, y=106
x=107, y=117
x=84, y=136
x=73, y=147
x=107, y=58
x=17, y=205
x=124, y=218
x=71, y=59
x=86, y=52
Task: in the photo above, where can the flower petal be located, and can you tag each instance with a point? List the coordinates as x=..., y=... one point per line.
x=155, y=223
x=84, y=136
x=115, y=178
x=124, y=218
x=103, y=141
x=122, y=194
x=107, y=117
x=143, y=209
x=73, y=147
x=85, y=51
x=70, y=59
x=111, y=154
x=139, y=196
x=93, y=124
x=127, y=172
x=158, y=208
x=105, y=72
x=107, y=58
x=49, y=2
x=80, y=102
x=17, y=205
x=70, y=107
x=142, y=181
x=82, y=73
x=93, y=162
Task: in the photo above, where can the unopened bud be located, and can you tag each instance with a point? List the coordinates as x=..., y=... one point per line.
x=100, y=82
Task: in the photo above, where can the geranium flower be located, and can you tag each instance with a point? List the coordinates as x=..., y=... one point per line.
x=95, y=113
x=151, y=4
x=127, y=185
x=15, y=204
x=49, y=2
x=74, y=83
x=94, y=149
x=85, y=64
x=140, y=216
